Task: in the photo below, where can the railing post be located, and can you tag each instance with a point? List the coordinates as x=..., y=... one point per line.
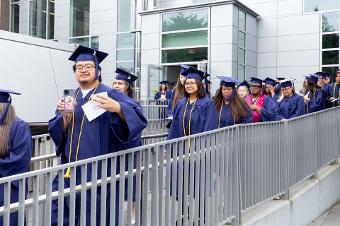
x=284, y=143
x=237, y=187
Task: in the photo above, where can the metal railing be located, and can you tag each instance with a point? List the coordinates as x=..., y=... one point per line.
x=153, y=109
x=225, y=172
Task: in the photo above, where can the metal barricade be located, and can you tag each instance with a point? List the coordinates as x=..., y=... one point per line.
x=161, y=180
x=210, y=182
x=153, y=109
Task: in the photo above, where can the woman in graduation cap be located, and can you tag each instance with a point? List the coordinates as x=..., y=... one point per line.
x=292, y=105
x=231, y=107
x=123, y=81
x=269, y=88
x=243, y=89
x=315, y=100
x=333, y=90
x=164, y=93
x=15, y=149
x=195, y=113
x=264, y=107
x=76, y=137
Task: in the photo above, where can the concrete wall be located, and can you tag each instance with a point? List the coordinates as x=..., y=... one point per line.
x=62, y=21
x=308, y=200
x=288, y=39
x=37, y=68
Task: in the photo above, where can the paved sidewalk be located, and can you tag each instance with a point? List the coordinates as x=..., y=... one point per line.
x=331, y=218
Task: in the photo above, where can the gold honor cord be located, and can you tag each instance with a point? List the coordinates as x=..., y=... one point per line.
x=68, y=171
x=183, y=121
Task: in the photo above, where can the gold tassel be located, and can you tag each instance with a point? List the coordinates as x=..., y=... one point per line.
x=68, y=173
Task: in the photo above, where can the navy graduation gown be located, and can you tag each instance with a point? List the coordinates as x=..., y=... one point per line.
x=106, y=134
x=270, y=110
x=204, y=117
x=167, y=95
x=333, y=90
x=228, y=120
x=317, y=101
x=291, y=107
x=18, y=161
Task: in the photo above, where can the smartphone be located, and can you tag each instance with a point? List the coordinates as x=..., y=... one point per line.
x=69, y=100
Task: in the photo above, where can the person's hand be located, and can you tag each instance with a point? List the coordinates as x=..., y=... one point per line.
x=271, y=90
x=332, y=98
x=106, y=103
x=254, y=107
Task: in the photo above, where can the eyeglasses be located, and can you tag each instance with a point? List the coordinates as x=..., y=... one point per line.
x=190, y=83
x=285, y=89
x=86, y=66
x=255, y=87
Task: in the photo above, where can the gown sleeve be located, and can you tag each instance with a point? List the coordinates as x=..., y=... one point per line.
x=56, y=131
x=20, y=150
x=174, y=129
x=249, y=118
x=157, y=96
x=318, y=103
x=270, y=111
x=169, y=113
x=129, y=131
x=211, y=119
x=300, y=107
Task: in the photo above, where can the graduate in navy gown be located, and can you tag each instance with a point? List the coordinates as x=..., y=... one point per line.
x=333, y=90
x=315, y=100
x=269, y=88
x=117, y=129
x=232, y=108
x=15, y=149
x=164, y=94
x=292, y=105
x=264, y=107
x=196, y=111
x=177, y=93
x=207, y=85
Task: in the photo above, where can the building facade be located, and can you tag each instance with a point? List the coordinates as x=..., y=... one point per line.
x=151, y=38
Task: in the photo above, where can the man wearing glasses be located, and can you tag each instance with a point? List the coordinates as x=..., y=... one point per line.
x=264, y=107
x=77, y=137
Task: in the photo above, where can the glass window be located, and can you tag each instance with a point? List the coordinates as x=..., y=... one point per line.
x=95, y=42
x=125, y=55
x=330, y=57
x=80, y=17
x=183, y=39
x=84, y=41
x=124, y=15
x=128, y=66
x=15, y=10
x=38, y=9
x=185, y=20
x=125, y=40
x=184, y=55
x=241, y=56
x=242, y=39
x=51, y=19
x=321, y=5
x=330, y=41
x=241, y=72
x=330, y=21
x=241, y=20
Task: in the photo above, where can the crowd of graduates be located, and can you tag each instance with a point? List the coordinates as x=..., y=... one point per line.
x=191, y=110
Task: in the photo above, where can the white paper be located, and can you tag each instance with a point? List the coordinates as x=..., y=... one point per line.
x=335, y=100
x=91, y=110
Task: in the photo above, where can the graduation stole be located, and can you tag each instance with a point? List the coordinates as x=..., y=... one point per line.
x=68, y=171
x=259, y=102
x=189, y=123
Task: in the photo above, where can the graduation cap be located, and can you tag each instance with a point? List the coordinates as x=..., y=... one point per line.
x=280, y=78
x=83, y=53
x=313, y=78
x=255, y=81
x=244, y=83
x=227, y=81
x=287, y=83
x=5, y=97
x=269, y=81
x=164, y=82
x=194, y=74
x=183, y=68
x=121, y=74
x=326, y=75
x=173, y=83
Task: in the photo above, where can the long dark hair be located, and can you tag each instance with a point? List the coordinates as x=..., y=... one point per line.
x=178, y=93
x=200, y=91
x=238, y=105
x=5, y=129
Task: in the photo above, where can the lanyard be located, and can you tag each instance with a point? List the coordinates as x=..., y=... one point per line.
x=189, y=123
x=68, y=171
